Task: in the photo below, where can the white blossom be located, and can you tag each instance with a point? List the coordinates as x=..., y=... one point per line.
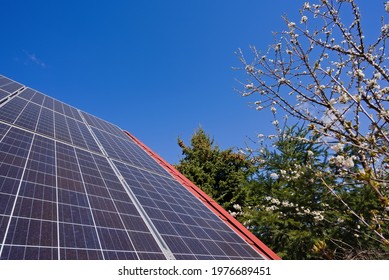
x=337, y=148
x=318, y=217
x=372, y=84
x=377, y=75
x=275, y=122
x=233, y=214
x=275, y=201
x=387, y=6
x=385, y=28
x=344, y=98
x=348, y=163
x=291, y=25
x=310, y=153
x=306, y=6
x=249, y=68
x=287, y=204
x=273, y=110
x=384, y=114
x=271, y=208
x=237, y=207
x=274, y=176
x=358, y=73
x=336, y=47
x=303, y=19
x=249, y=86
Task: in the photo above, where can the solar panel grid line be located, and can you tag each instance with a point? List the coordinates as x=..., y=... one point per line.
x=156, y=157
x=103, y=125
x=65, y=112
x=38, y=98
x=115, y=210
x=41, y=227
x=3, y=96
x=15, y=201
x=5, y=80
x=75, y=182
x=46, y=136
x=172, y=243
x=163, y=246
x=27, y=94
x=132, y=155
x=12, y=105
x=57, y=199
x=101, y=196
x=29, y=117
x=12, y=87
x=93, y=218
x=49, y=137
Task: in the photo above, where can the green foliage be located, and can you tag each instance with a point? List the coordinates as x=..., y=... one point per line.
x=290, y=195
x=220, y=173
x=291, y=208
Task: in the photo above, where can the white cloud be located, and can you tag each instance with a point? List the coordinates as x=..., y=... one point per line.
x=33, y=58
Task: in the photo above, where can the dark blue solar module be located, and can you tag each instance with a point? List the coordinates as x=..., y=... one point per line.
x=73, y=186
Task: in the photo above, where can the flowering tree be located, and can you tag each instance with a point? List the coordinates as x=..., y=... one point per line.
x=327, y=73
x=289, y=207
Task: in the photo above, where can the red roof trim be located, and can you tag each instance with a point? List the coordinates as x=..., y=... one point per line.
x=212, y=205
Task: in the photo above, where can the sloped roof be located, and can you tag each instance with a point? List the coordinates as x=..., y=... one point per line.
x=73, y=186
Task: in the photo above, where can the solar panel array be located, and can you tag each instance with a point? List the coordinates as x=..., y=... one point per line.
x=73, y=186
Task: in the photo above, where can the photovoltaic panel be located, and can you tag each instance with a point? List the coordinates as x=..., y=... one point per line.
x=191, y=230
x=103, y=125
x=73, y=186
x=27, y=94
x=35, y=211
x=3, y=94
x=12, y=109
x=8, y=85
x=126, y=150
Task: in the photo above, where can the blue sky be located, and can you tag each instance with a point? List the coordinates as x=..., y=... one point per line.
x=158, y=69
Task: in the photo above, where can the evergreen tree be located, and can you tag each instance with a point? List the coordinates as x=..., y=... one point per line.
x=222, y=174
x=292, y=208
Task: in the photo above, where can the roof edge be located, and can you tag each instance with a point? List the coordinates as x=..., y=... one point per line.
x=212, y=204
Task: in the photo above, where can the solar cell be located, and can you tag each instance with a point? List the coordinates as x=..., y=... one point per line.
x=38, y=98
x=3, y=94
x=11, y=87
x=27, y=94
x=10, y=111
x=29, y=116
x=58, y=106
x=104, y=126
x=61, y=128
x=4, y=81
x=48, y=103
x=45, y=123
x=184, y=227
x=73, y=186
x=127, y=151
